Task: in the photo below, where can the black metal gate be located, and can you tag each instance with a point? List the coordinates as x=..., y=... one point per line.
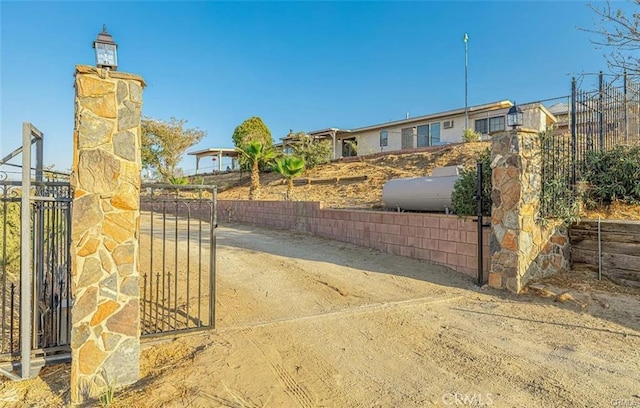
x=177, y=258
x=35, y=265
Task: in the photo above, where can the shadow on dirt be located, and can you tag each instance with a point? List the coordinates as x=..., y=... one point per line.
x=618, y=308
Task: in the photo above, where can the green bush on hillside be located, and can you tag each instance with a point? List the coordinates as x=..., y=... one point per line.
x=613, y=176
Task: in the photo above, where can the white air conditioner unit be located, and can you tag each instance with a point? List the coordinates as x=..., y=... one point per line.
x=448, y=124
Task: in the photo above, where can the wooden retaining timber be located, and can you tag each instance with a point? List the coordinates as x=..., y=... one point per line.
x=333, y=180
x=620, y=242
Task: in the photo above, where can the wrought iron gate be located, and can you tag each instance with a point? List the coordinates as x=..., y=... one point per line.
x=35, y=238
x=177, y=258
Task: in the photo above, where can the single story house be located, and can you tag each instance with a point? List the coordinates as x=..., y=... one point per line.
x=429, y=130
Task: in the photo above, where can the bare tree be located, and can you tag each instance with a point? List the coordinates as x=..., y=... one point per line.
x=618, y=31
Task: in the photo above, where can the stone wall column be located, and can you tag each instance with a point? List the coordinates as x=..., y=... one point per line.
x=105, y=333
x=522, y=248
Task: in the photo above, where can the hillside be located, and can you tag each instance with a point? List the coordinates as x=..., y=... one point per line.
x=357, y=194
x=377, y=169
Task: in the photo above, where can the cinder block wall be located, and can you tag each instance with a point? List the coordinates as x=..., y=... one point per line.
x=442, y=239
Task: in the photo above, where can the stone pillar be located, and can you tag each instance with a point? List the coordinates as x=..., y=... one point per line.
x=105, y=333
x=522, y=248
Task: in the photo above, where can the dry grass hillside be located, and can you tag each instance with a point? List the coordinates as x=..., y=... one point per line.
x=353, y=194
x=377, y=169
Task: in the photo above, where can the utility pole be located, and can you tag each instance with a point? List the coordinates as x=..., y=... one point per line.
x=466, y=71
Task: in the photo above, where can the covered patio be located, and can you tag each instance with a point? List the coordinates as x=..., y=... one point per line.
x=218, y=155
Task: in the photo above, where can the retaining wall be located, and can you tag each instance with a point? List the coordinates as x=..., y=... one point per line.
x=620, y=248
x=442, y=239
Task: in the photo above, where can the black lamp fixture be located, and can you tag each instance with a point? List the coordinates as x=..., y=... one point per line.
x=514, y=116
x=106, y=50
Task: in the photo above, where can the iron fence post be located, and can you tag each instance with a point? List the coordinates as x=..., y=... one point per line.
x=574, y=138
x=25, y=256
x=601, y=110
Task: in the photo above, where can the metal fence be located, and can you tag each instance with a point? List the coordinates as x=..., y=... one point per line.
x=596, y=120
x=177, y=258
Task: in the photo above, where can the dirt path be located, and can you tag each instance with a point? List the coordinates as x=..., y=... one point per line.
x=308, y=322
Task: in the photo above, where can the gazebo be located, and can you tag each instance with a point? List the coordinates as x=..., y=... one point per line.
x=217, y=153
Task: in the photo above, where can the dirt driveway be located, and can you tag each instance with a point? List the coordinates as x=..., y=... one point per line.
x=308, y=322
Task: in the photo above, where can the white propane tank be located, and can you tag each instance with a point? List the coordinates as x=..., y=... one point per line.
x=422, y=193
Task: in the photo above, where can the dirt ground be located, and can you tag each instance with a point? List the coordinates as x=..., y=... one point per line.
x=308, y=322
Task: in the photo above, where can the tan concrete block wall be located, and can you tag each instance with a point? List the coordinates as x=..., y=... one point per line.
x=443, y=239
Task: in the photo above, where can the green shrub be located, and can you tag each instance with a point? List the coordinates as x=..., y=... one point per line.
x=178, y=180
x=470, y=135
x=613, y=176
x=464, y=190
x=313, y=151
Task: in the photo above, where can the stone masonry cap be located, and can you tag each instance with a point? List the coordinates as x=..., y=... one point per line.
x=104, y=73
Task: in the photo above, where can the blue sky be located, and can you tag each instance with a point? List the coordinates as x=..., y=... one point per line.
x=298, y=65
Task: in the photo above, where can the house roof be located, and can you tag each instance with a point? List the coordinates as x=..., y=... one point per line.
x=215, y=151
x=487, y=107
x=460, y=111
x=559, y=108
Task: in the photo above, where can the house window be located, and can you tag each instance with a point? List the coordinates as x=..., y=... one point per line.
x=384, y=138
x=488, y=125
x=407, y=138
x=429, y=135
x=482, y=126
x=423, y=135
x=496, y=124
x=435, y=134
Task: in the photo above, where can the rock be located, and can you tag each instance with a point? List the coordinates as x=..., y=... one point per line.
x=93, y=131
x=91, y=273
x=124, y=145
x=103, y=106
x=127, y=320
x=85, y=305
x=98, y=171
x=105, y=310
x=129, y=116
x=122, y=92
x=126, y=197
x=90, y=357
x=135, y=91
x=123, y=364
x=119, y=226
x=91, y=86
x=86, y=214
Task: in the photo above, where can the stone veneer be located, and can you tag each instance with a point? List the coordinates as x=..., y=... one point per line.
x=522, y=249
x=105, y=335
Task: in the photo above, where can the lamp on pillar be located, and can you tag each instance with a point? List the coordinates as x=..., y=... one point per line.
x=106, y=50
x=514, y=116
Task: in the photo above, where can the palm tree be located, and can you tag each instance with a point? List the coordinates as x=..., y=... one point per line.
x=256, y=154
x=289, y=167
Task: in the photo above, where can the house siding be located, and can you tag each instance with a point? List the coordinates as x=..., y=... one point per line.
x=369, y=140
